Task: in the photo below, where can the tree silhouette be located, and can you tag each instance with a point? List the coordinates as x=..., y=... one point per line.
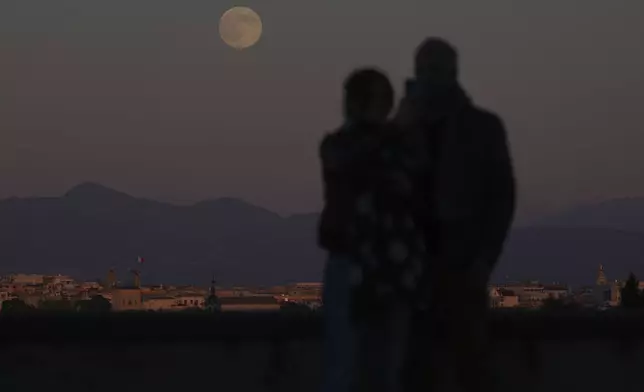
x=295, y=308
x=631, y=296
x=15, y=306
x=193, y=310
x=61, y=305
x=552, y=303
x=98, y=304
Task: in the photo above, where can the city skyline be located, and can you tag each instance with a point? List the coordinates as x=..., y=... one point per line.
x=64, y=293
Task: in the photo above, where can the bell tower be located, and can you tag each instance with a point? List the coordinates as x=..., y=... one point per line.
x=601, y=276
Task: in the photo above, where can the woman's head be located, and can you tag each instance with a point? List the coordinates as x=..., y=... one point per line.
x=368, y=96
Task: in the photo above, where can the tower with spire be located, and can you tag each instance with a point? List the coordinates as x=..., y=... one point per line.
x=212, y=301
x=601, y=276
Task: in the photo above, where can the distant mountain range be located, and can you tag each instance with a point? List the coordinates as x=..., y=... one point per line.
x=92, y=228
x=621, y=214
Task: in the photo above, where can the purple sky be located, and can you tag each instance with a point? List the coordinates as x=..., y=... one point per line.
x=143, y=96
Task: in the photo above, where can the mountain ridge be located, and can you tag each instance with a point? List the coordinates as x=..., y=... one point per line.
x=92, y=228
x=626, y=213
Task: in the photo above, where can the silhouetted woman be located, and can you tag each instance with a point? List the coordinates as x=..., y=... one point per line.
x=376, y=251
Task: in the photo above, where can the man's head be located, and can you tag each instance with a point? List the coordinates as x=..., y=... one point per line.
x=436, y=62
x=368, y=96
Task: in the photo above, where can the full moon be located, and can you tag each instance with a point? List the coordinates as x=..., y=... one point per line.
x=240, y=27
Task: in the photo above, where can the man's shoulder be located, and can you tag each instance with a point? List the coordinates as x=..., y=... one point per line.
x=486, y=126
x=485, y=118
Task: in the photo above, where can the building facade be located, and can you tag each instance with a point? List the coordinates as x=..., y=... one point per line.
x=126, y=299
x=159, y=303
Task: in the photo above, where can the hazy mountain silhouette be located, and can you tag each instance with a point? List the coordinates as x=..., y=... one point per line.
x=623, y=214
x=570, y=255
x=570, y=245
x=93, y=228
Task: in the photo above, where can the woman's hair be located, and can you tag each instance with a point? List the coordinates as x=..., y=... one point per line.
x=359, y=87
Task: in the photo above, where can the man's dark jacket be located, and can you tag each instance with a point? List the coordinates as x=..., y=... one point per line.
x=470, y=186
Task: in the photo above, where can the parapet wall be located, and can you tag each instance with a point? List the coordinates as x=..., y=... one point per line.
x=532, y=352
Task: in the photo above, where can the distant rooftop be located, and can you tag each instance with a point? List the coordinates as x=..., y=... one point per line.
x=126, y=288
x=247, y=301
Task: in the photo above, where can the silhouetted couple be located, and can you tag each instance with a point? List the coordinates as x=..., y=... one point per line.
x=416, y=213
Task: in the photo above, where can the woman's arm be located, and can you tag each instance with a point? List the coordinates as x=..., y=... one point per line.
x=338, y=186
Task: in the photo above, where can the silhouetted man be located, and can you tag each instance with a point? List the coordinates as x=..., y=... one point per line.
x=471, y=195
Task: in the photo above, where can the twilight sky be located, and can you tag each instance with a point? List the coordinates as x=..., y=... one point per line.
x=143, y=96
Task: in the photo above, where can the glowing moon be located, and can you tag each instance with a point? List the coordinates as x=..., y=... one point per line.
x=240, y=27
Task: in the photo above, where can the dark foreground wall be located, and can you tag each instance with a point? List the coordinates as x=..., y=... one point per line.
x=277, y=352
